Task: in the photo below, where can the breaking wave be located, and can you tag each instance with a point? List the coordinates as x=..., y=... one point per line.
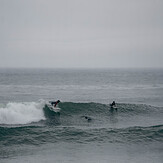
x=34, y=123
x=21, y=113
x=28, y=112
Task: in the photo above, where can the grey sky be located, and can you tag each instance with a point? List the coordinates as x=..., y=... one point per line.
x=81, y=33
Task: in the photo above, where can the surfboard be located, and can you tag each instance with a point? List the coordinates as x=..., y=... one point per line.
x=52, y=108
x=55, y=109
x=114, y=107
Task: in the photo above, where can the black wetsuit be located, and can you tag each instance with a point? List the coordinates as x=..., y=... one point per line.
x=53, y=103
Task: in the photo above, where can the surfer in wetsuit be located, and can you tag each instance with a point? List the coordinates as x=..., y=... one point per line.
x=55, y=103
x=113, y=106
x=88, y=118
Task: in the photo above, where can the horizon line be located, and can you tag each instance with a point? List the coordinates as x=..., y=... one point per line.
x=81, y=67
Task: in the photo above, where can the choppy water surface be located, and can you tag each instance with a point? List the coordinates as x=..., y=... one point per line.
x=86, y=129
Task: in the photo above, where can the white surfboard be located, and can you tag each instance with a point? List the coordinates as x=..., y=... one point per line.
x=52, y=108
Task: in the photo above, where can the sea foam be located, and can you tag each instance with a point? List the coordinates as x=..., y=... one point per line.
x=21, y=113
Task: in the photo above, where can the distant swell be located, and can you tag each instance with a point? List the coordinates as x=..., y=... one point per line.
x=38, y=135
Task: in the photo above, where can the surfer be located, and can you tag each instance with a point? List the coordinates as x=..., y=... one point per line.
x=113, y=106
x=88, y=118
x=54, y=103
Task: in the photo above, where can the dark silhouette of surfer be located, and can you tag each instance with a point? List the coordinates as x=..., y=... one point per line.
x=88, y=118
x=113, y=106
x=54, y=103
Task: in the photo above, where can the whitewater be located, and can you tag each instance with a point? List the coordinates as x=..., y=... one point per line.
x=21, y=113
x=86, y=129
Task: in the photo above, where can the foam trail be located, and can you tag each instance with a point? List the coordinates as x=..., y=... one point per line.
x=21, y=113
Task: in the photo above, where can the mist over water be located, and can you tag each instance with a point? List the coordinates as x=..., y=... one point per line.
x=86, y=129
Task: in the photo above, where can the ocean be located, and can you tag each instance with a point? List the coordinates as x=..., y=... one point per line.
x=86, y=130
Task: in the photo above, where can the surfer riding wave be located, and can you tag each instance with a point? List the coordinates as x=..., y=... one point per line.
x=54, y=103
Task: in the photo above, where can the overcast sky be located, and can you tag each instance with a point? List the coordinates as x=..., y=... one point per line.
x=81, y=33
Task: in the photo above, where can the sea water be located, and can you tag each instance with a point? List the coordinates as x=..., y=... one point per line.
x=31, y=132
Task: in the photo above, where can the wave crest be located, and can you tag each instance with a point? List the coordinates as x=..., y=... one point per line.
x=21, y=113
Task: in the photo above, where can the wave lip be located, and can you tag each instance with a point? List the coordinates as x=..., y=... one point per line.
x=21, y=113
